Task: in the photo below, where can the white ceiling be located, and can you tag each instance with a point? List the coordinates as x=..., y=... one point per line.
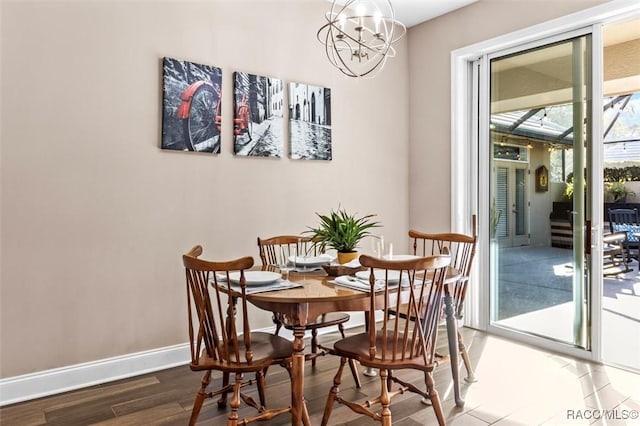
x=413, y=12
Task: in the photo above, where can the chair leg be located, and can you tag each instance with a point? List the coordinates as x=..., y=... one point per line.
x=435, y=398
x=333, y=393
x=278, y=324
x=306, y=421
x=200, y=397
x=462, y=348
x=260, y=385
x=385, y=400
x=232, y=419
x=222, y=402
x=314, y=346
x=353, y=366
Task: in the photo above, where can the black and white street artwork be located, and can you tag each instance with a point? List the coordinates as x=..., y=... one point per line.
x=191, y=113
x=309, y=122
x=257, y=121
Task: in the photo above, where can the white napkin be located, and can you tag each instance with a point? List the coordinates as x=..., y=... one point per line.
x=307, y=268
x=324, y=257
x=355, y=263
x=361, y=284
x=279, y=284
x=274, y=286
x=356, y=283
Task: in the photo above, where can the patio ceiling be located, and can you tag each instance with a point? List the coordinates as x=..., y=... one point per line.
x=554, y=124
x=543, y=77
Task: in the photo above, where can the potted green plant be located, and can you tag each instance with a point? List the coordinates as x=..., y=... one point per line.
x=619, y=191
x=343, y=232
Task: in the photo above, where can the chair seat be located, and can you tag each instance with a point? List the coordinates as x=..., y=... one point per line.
x=325, y=320
x=357, y=347
x=265, y=347
x=402, y=312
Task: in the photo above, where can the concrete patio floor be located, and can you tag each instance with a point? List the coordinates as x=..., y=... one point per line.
x=536, y=296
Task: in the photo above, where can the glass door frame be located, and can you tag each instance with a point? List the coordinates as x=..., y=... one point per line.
x=581, y=320
x=469, y=83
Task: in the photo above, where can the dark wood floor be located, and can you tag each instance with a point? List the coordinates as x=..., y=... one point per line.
x=510, y=391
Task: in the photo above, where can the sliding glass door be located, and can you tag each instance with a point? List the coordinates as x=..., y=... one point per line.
x=539, y=171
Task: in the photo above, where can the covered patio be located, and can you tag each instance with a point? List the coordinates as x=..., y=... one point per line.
x=536, y=295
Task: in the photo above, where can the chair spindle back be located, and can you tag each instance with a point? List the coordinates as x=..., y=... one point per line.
x=271, y=249
x=461, y=248
x=211, y=314
x=399, y=340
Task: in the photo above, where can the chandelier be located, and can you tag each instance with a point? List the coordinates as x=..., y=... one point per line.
x=358, y=36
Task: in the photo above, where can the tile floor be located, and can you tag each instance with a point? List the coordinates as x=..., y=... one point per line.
x=521, y=385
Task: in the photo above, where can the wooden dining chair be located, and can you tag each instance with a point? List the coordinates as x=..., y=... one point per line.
x=221, y=342
x=462, y=249
x=395, y=344
x=270, y=251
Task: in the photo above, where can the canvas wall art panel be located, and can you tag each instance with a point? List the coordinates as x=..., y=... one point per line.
x=309, y=122
x=191, y=114
x=258, y=103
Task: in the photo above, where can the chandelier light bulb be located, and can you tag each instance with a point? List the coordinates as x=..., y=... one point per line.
x=359, y=36
x=377, y=17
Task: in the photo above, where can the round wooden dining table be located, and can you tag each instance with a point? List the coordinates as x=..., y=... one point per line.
x=318, y=295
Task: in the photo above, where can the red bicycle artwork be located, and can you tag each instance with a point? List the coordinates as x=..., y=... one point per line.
x=191, y=118
x=242, y=123
x=200, y=113
x=192, y=110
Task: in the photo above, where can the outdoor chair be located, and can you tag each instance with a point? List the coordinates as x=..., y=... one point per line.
x=627, y=221
x=614, y=254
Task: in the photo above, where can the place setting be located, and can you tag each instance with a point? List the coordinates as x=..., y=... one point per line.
x=358, y=277
x=360, y=280
x=310, y=263
x=260, y=281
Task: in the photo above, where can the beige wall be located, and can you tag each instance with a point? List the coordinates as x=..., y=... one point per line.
x=430, y=46
x=95, y=215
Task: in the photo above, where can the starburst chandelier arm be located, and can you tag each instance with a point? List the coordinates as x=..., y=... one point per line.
x=334, y=46
x=338, y=61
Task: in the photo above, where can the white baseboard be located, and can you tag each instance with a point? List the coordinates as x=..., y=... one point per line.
x=58, y=380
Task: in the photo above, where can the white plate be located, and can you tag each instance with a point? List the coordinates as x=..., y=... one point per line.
x=310, y=260
x=255, y=277
x=400, y=257
x=394, y=276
